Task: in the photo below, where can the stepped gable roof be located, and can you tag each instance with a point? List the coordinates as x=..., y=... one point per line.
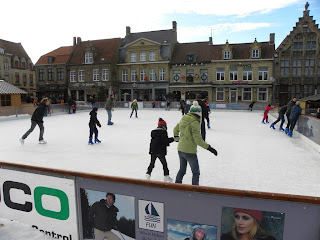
x=202, y=50
x=60, y=55
x=7, y=88
x=161, y=36
x=104, y=49
x=15, y=49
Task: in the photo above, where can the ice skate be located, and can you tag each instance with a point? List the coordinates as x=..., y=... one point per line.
x=167, y=178
x=90, y=142
x=148, y=176
x=263, y=122
x=286, y=130
x=97, y=140
x=290, y=133
x=281, y=128
x=110, y=123
x=42, y=142
x=267, y=121
x=208, y=125
x=21, y=141
x=272, y=126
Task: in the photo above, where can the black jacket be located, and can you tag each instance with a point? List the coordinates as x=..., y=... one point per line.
x=102, y=216
x=37, y=115
x=283, y=109
x=93, y=119
x=295, y=112
x=290, y=105
x=204, y=109
x=229, y=237
x=159, y=141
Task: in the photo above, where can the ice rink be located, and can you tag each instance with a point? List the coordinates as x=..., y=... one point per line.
x=251, y=156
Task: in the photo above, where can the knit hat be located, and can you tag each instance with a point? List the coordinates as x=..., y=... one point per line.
x=134, y=100
x=195, y=108
x=161, y=122
x=253, y=213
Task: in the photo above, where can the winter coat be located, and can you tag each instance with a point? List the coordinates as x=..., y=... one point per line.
x=109, y=104
x=102, y=216
x=204, y=109
x=70, y=101
x=295, y=112
x=251, y=104
x=159, y=141
x=134, y=106
x=38, y=114
x=266, y=111
x=290, y=105
x=93, y=119
x=190, y=137
x=283, y=109
x=228, y=236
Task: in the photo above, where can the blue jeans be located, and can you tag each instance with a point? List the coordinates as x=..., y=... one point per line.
x=109, y=115
x=192, y=159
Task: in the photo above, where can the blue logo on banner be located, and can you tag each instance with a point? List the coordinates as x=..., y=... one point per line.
x=152, y=214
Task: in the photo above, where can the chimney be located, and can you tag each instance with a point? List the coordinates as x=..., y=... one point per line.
x=210, y=40
x=128, y=30
x=271, y=41
x=74, y=41
x=174, y=26
x=78, y=40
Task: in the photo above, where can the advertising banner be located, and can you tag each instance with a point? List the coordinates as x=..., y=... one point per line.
x=46, y=203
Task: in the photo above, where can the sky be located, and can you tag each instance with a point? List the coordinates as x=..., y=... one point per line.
x=43, y=26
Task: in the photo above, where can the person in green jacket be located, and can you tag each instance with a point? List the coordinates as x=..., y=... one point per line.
x=134, y=107
x=187, y=133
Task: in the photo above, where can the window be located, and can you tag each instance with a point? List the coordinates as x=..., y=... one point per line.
x=5, y=65
x=88, y=58
x=162, y=74
x=5, y=100
x=311, y=45
x=263, y=73
x=190, y=58
x=247, y=74
x=176, y=76
x=226, y=54
x=133, y=75
x=96, y=75
x=31, y=79
x=143, y=57
x=284, y=71
x=233, y=74
x=152, y=56
x=72, y=76
x=50, y=74
x=81, y=75
x=16, y=63
x=60, y=74
x=189, y=76
x=297, y=46
x=124, y=75
x=203, y=75
x=263, y=94
x=296, y=67
x=1, y=51
x=41, y=74
x=220, y=94
x=309, y=67
x=220, y=74
x=24, y=79
x=246, y=94
x=23, y=64
x=152, y=74
x=255, y=53
x=105, y=74
x=17, y=77
x=133, y=57
x=142, y=74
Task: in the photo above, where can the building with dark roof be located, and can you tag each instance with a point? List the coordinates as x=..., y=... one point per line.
x=16, y=68
x=297, y=64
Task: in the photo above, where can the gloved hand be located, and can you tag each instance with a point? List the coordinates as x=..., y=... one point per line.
x=211, y=149
x=176, y=138
x=99, y=125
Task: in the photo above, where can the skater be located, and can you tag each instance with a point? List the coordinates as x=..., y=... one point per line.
x=103, y=216
x=187, y=133
x=158, y=149
x=109, y=108
x=182, y=107
x=318, y=113
x=168, y=106
x=92, y=125
x=37, y=119
x=290, y=105
x=187, y=107
x=134, y=107
x=251, y=106
x=74, y=106
x=282, y=111
x=205, y=115
x=294, y=116
x=35, y=102
x=266, y=111
x=70, y=104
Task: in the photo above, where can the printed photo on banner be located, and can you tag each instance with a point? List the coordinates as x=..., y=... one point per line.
x=180, y=230
x=107, y=215
x=241, y=223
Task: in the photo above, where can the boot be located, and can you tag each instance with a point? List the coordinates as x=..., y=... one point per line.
x=42, y=142
x=110, y=123
x=290, y=133
x=281, y=128
x=97, y=140
x=167, y=178
x=21, y=141
x=263, y=122
x=90, y=142
x=208, y=125
x=272, y=126
x=267, y=121
x=148, y=176
x=286, y=130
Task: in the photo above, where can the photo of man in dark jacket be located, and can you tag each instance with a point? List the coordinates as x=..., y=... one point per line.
x=103, y=215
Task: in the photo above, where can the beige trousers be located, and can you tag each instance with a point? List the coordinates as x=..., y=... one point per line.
x=99, y=235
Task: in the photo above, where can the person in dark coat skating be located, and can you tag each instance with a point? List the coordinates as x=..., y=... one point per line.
x=158, y=149
x=92, y=125
x=290, y=105
x=294, y=116
x=282, y=111
x=251, y=106
x=205, y=115
x=37, y=119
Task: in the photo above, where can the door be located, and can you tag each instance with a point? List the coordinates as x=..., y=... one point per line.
x=233, y=95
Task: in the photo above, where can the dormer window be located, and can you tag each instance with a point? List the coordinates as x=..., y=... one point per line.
x=88, y=58
x=191, y=58
x=50, y=60
x=255, y=53
x=1, y=51
x=226, y=54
